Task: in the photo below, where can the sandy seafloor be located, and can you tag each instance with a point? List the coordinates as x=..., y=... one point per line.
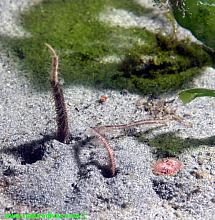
x=63, y=180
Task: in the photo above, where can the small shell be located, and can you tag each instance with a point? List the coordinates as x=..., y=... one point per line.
x=167, y=166
x=103, y=98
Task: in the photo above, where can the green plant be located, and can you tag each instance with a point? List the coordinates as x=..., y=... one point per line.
x=198, y=16
x=188, y=95
x=195, y=15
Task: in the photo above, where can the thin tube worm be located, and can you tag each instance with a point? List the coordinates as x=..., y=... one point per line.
x=107, y=146
x=132, y=124
x=112, y=162
x=60, y=106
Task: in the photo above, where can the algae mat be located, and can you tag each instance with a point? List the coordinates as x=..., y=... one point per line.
x=95, y=53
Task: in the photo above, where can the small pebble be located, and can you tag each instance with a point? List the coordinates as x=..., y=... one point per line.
x=103, y=98
x=196, y=174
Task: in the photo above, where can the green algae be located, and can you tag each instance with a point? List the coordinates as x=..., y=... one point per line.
x=82, y=41
x=171, y=63
x=169, y=144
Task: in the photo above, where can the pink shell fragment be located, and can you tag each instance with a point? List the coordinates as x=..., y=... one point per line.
x=167, y=166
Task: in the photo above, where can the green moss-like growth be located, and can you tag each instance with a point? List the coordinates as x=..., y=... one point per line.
x=169, y=144
x=164, y=66
x=82, y=41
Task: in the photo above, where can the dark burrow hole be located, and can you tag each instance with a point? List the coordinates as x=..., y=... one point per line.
x=106, y=172
x=31, y=154
x=105, y=169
